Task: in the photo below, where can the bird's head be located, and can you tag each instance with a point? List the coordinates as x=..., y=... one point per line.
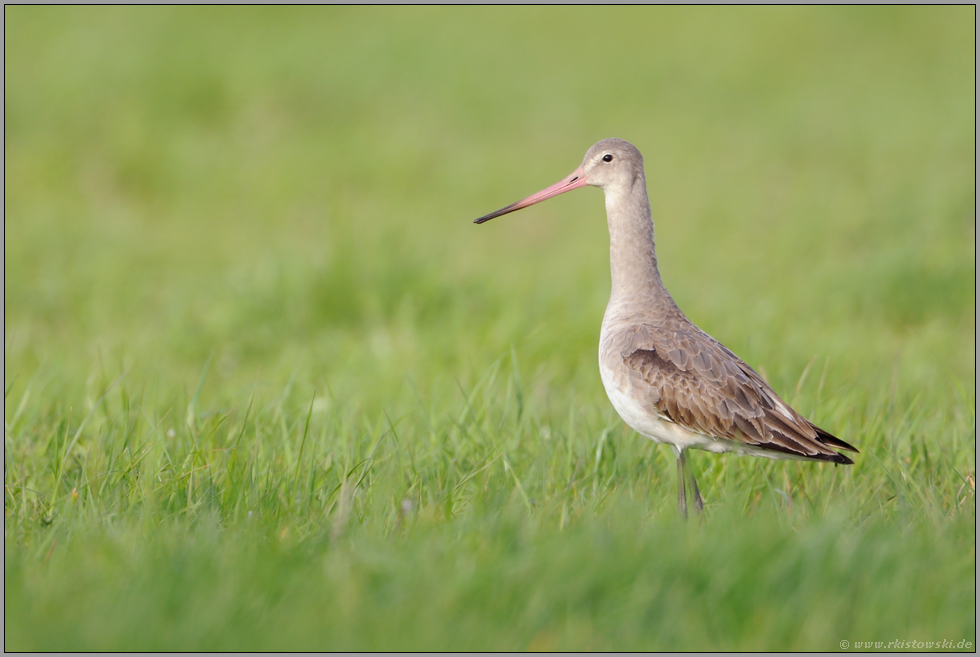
x=610, y=163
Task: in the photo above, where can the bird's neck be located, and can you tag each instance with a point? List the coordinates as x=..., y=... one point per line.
x=632, y=255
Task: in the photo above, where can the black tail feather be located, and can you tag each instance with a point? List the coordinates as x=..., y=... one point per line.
x=833, y=441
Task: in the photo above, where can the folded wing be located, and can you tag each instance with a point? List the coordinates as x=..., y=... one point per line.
x=696, y=382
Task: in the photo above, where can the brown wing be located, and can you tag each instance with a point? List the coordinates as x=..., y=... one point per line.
x=696, y=382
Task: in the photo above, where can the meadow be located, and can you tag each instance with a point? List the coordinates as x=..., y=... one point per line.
x=266, y=386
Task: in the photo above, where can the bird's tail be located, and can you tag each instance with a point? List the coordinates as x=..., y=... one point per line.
x=833, y=441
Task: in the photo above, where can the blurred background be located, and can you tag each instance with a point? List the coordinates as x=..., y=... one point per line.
x=293, y=188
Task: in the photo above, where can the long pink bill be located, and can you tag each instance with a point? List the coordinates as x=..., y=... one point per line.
x=574, y=181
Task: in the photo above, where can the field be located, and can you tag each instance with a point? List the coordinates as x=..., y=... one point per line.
x=266, y=386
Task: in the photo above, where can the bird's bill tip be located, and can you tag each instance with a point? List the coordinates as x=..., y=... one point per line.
x=574, y=180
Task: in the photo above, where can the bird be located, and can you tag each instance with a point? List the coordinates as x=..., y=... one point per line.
x=667, y=379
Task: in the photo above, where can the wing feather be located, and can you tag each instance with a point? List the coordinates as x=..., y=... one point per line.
x=697, y=383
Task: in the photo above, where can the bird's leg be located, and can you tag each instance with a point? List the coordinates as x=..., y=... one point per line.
x=681, y=492
x=684, y=475
x=698, y=503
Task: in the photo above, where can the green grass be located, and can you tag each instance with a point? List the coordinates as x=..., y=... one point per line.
x=267, y=387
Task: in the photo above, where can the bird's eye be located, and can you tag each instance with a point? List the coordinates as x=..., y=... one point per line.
x=607, y=158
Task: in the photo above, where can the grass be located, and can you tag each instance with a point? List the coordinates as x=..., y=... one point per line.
x=266, y=387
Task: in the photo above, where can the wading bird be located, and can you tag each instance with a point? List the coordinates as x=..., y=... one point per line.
x=668, y=379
